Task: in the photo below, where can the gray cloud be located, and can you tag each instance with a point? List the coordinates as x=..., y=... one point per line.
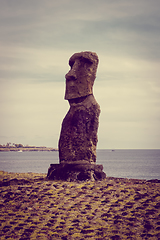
x=36, y=42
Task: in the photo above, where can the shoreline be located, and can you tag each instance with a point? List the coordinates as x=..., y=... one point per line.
x=115, y=208
x=27, y=149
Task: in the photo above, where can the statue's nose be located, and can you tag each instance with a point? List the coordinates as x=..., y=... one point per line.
x=71, y=75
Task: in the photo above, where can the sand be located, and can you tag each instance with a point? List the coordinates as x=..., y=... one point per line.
x=115, y=208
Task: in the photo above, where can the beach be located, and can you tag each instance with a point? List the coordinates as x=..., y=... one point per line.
x=115, y=208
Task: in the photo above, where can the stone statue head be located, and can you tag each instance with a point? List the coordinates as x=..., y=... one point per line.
x=80, y=78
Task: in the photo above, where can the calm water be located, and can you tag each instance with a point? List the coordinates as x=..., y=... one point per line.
x=140, y=164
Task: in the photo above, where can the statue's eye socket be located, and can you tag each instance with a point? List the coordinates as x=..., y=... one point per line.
x=88, y=61
x=71, y=64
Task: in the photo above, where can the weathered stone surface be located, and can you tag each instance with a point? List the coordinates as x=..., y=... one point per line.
x=78, y=137
x=75, y=172
x=80, y=78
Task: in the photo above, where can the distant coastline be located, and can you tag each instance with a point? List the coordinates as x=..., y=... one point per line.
x=21, y=148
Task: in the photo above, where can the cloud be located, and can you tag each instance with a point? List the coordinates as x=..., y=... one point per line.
x=33, y=110
x=38, y=38
x=21, y=64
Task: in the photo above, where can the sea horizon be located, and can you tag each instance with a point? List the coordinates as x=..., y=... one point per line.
x=123, y=163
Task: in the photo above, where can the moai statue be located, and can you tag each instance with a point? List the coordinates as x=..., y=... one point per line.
x=78, y=137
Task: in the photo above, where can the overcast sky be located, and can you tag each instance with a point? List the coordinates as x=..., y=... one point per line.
x=38, y=37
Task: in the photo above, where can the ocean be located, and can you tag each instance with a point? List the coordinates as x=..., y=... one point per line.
x=135, y=164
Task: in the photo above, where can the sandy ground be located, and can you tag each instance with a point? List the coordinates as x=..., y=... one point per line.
x=115, y=208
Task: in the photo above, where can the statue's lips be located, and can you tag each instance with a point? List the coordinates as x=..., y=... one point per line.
x=73, y=88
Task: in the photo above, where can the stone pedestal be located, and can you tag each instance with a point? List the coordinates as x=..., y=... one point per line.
x=78, y=171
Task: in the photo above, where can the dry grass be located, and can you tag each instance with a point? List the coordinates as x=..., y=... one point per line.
x=33, y=208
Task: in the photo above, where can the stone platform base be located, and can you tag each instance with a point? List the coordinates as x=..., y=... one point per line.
x=79, y=171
